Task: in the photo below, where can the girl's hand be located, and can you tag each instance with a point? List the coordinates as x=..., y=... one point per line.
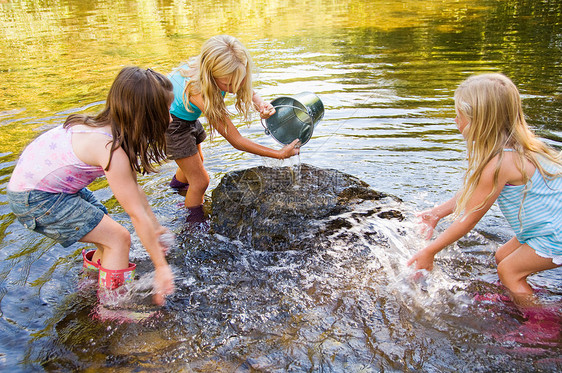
x=163, y=284
x=423, y=260
x=428, y=220
x=290, y=150
x=266, y=110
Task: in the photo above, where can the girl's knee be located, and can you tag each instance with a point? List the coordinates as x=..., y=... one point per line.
x=506, y=249
x=201, y=184
x=508, y=274
x=506, y=277
x=502, y=269
x=123, y=237
x=499, y=257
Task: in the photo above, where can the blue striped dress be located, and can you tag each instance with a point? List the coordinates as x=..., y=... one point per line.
x=536, y=216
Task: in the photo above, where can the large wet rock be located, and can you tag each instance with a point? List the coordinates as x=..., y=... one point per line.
x=282, y=208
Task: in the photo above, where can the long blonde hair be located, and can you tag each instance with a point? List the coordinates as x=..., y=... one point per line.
x=492, y=105
x=221, y=56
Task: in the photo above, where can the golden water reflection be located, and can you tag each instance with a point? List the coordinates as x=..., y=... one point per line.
x=66, y=54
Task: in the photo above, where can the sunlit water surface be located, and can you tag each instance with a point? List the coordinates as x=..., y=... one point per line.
x=386, y=72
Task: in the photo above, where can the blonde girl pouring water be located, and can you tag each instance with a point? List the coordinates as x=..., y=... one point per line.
x=223, y=66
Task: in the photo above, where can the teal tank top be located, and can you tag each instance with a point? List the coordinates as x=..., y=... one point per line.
x=178, y=106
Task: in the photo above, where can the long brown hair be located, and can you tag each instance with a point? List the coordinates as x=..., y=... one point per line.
x=137, y=108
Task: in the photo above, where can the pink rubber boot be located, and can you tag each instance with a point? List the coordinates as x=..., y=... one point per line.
x=113, y=278
x=88, y=262
x=120, y=303
x=115, y=301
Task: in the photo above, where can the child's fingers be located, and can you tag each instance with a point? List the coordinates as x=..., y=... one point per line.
x=266, y=112
x=158, y=299
x=428, y=220
x=417, y=276
x=421, y=261
x=267, y=106
x=163, y=284
x=426, y=231
x=290, y=149
x=296, y=146
x=411, y=261
x=426, y=215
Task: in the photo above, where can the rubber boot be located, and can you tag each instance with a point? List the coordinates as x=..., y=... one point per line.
x=88, y=263
x=117, y=302
x=90, y=270
x=176, y=184
x=196, y=214
x=113, y=278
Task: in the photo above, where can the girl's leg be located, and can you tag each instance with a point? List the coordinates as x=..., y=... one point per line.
x=180, y=176
x=98, y=254
x=113, y=240
x=506, y=249
x=514, y=269
x=194, y=172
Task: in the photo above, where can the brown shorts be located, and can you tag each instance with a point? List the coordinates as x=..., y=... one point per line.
x=182, y=138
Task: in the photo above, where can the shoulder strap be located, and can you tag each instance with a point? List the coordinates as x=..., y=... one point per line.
x=92, y=131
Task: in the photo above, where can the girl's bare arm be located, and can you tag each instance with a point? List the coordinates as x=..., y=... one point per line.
x=229, y=131
x=461, y=226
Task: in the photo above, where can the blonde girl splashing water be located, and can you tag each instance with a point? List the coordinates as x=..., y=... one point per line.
x=223, y=66
x=507, y=163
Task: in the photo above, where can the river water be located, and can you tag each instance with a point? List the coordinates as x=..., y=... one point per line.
x=386, y=72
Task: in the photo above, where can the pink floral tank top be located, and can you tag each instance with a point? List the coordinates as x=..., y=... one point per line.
x=49, y=164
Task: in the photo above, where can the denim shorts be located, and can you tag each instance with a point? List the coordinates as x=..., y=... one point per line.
x=64, y=217
x=182, y=138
